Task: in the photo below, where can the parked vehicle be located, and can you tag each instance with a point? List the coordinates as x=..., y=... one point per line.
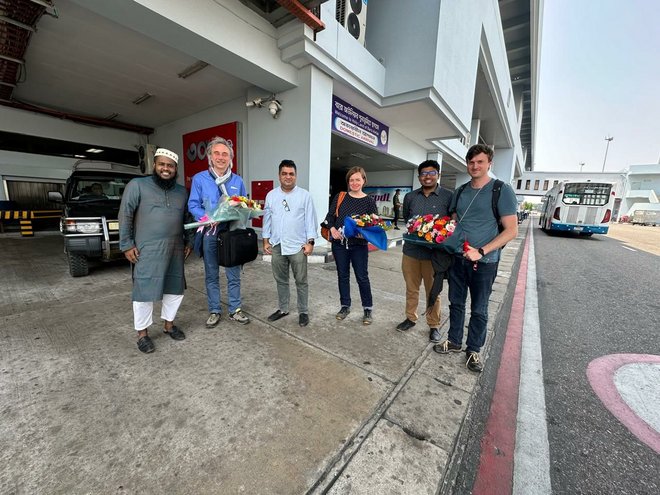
x=90, y=212
x=645, y=217
x=582, y=207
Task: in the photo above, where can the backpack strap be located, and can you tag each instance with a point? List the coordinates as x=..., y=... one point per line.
x=497, y=189
x=458, y=195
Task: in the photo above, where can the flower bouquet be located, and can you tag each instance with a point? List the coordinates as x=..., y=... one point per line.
x=237, y=209
x=434, y=231
x=370, y=226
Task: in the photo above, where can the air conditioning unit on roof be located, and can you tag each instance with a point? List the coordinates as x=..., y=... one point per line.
x=352, y=14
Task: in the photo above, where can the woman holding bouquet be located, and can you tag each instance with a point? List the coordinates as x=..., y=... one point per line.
x=353, y=250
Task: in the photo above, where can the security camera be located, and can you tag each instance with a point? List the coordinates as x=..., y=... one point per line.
x=274, y=107
x=257, y=102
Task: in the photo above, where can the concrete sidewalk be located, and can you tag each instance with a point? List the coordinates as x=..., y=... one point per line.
x=264, y=408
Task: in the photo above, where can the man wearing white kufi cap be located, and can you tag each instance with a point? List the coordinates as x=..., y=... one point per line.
x=151, y=235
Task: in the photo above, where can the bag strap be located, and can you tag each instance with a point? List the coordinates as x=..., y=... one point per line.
x=497, y=189
x=341, y=197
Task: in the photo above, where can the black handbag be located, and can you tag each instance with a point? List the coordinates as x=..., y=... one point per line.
x=237, y=247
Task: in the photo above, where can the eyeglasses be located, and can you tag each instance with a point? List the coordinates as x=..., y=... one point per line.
x=286, y=205
x=428, y=173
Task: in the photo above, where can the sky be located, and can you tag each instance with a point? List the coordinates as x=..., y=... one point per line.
x=599, y=77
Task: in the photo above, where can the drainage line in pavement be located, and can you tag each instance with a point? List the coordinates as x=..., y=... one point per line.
x=340, y=461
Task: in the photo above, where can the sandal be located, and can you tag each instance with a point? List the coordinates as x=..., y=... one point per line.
x=175, y=333
x=146, y=345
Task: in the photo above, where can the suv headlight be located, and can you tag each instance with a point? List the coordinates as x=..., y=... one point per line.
x=73, y=227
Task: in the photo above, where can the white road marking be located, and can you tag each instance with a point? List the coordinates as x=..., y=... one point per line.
x=531, y=464
x=639, y=386
x=629, y=249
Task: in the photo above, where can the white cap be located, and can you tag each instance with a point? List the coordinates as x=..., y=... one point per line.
x=167, y=154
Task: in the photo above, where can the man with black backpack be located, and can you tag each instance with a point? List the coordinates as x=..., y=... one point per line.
x=486, y=210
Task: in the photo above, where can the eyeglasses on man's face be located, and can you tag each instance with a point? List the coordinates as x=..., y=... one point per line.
x=286, y=205
x=428, y=173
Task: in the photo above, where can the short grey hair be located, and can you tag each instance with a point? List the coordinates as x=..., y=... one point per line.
x=219, y=140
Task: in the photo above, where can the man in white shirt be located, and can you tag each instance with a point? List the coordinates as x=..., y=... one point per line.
x=289, y=230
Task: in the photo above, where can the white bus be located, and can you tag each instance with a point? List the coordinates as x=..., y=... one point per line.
x=582, y=207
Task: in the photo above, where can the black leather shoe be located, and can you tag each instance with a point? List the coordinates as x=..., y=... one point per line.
x=176, y=333
x=146, y=345
x=277, y=315
x=303, y=319
x=405, y=325
x=434, y=335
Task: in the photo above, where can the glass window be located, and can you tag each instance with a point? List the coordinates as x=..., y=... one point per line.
x=586, y=193
x=527, y=184
x=536, y=184
x=546, y=183
x=519, y=184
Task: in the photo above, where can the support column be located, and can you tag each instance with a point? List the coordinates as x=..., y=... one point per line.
x=503, y=164
x=300, y=133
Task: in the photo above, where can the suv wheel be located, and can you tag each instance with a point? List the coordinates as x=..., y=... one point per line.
x=78, y=266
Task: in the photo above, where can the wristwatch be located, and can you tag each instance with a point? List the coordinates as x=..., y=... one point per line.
x=481, y=252
x=310, y=241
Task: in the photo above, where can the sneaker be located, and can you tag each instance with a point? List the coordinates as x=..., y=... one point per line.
x=303, y=319
x=405, y=325
x=239, y=316
x=434, y=335
x=446, y=347
x=367, y=319
x=213, y=320
x=343, y=313
x=472, y=361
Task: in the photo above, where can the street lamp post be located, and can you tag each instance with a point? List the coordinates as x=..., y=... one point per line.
x=581, y=165
x=609, y=140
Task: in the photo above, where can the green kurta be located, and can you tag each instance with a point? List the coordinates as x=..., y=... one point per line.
x=151, y=219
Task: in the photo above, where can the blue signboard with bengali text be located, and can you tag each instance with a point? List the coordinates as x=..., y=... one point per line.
x=354, y=124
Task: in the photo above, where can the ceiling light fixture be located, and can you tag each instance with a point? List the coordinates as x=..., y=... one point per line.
x=112, y=116
x=193, y=69
x=94, y=150
x=142, y=99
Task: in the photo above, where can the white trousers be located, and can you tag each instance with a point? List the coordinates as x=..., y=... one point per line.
x=143, y=311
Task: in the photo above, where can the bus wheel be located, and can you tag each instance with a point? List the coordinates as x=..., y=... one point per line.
x=78, y=266
x=586, y=234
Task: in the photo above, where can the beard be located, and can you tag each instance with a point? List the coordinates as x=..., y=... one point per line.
x=164, y=183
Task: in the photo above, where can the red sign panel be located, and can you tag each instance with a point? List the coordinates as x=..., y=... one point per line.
x=259, y=190
x=194, y=148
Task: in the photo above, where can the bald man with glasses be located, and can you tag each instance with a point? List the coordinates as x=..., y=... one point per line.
x=289, y=230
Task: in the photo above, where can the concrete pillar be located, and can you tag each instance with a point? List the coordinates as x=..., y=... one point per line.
x=475, y=127
x=300, y=133
x=503, y=164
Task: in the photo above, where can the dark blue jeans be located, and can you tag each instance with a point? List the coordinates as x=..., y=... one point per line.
x=463, y=278
x=358, y=256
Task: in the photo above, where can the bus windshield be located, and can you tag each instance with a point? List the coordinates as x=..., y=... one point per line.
x=587, y=194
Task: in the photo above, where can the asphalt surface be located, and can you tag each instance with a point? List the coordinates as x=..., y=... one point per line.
x=595, y=298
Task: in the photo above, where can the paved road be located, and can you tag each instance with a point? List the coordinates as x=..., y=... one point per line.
x=596, y=298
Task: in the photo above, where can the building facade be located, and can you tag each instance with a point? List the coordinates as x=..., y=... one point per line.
x=419, y=79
